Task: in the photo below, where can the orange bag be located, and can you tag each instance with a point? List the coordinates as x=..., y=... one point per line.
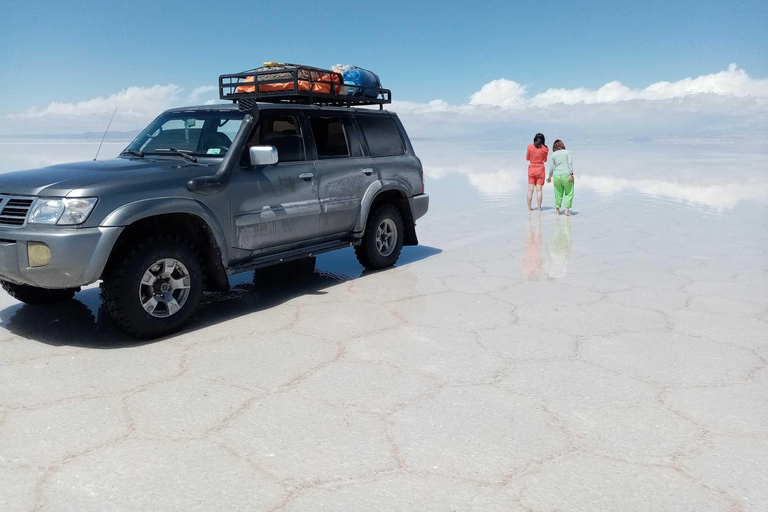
x=324, y=87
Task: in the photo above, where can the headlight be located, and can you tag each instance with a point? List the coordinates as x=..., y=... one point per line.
x=46, y=211
x=64, y=212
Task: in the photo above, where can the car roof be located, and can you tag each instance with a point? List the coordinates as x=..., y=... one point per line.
x=228, y=107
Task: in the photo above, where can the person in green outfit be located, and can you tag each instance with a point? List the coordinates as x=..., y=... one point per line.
x=561, y=167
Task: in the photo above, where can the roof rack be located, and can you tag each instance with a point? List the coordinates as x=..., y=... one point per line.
x=294, y=83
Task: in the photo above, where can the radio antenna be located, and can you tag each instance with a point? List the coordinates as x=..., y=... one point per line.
x=105, y=134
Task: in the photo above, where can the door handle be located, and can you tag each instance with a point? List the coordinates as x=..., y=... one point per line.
x=367, y=171
x=307, y=176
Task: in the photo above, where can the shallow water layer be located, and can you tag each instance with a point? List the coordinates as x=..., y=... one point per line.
x=514, y=360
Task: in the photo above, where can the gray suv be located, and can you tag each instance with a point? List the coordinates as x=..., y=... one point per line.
x=204, y=193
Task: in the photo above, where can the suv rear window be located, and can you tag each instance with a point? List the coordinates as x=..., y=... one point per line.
x=330, y=139
x=382, y=135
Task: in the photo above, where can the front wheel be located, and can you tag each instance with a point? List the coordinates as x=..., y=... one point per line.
x=383, y=238
x=155, y=289
x=37, y=296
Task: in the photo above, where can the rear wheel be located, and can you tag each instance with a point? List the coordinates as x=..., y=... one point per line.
x=383, y=239
x=35, y=295
x=155, y=289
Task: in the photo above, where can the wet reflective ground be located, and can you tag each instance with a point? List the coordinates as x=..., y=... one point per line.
x=613, y=360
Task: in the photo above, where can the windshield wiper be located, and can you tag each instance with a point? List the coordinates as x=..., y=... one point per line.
x=133, y=152
x=175, y=151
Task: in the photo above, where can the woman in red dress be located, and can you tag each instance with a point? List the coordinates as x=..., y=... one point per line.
x=536, y=155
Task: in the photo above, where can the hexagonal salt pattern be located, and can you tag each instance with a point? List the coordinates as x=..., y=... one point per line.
x=476, y=432
x=736, y=465
x=407, y=491
x=591, y=483
x=367, y=386
x=448, y=355
x=606, y=413
x=261, y=362
x=671, y=358
x=162, y=410
x=46, y=436
x=154, y=475
x=298, y=439
x=618, y=361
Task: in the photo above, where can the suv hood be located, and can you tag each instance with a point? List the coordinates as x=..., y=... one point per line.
x=60, y=180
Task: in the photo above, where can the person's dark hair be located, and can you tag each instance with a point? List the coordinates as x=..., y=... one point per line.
x=558, y=144
x=538, y=140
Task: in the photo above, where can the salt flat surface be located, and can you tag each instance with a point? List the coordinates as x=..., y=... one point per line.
x=614, y=360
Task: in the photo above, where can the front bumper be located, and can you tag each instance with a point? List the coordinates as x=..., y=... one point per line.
x=419, y=205
x=78, y=256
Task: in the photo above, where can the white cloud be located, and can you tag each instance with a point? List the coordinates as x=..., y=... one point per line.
x=720, y=196
x=136, y=106
x=495, y=183
x=731, y=82
x=133, y=102
x=510, y=95
x=718, y=104
x=199, y=92
x=696, y=176
x=501, y=93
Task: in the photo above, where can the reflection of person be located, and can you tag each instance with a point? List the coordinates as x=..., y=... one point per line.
x=532, y=263
x=559, y=248
x=561, y=166
x=536, y=155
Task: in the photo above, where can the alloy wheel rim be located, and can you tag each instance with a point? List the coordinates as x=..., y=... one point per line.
x=164, y=288
x=386, y=237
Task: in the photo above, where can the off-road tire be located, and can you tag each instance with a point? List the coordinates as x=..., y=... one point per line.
x=367, y=252
x=119, y=289
x=38, y=296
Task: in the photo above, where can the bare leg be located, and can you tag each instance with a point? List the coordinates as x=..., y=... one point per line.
x=539, y=195
x=530, y=195
x=568, y=212
x=558, y=210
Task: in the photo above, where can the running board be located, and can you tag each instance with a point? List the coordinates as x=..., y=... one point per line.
x=294, y=254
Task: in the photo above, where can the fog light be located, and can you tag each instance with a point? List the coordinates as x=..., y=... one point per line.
x=39, y=254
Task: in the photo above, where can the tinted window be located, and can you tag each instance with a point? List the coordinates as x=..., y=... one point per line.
x=283, y=133
x=382, y=135
x=353, y=137
x=330, y=139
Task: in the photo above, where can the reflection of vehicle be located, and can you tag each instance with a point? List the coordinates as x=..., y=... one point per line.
x=204, y=193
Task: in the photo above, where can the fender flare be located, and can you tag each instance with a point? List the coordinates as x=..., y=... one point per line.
x=372, y=192
x=137, y=210
x=365, y=205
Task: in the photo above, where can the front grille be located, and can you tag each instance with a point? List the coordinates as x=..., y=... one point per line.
x=14, y=211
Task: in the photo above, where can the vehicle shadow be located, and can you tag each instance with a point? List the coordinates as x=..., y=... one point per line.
x=82, y=322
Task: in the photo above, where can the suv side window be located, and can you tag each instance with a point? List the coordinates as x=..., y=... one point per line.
x=382, y=135
x=354, y=137
x=330, y=137
x=284, y=133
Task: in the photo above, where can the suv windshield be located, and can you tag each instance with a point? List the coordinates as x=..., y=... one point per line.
x=198, y=133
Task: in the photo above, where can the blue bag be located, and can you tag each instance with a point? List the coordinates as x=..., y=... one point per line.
x=367, y=81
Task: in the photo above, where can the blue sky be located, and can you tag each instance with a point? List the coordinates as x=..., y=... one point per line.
x=146, y=56
x=422, y=50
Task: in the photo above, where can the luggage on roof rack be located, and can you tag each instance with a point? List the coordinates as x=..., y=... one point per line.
x=294, y=83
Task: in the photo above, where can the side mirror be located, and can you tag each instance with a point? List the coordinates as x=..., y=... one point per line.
x=262, y=155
